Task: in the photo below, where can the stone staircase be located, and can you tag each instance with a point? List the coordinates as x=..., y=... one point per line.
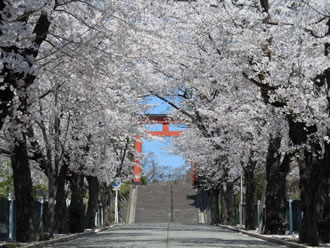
x=184, y=204
x=166, y=203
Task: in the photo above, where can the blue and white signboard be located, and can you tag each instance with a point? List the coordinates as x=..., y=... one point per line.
x=116, y=185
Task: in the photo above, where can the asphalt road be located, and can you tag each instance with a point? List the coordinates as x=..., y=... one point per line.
x=165, y=235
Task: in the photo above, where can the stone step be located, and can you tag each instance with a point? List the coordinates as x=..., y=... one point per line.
x=166, y=203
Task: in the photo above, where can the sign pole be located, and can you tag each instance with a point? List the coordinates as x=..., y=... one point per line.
x=116, y=187
x=116, y=207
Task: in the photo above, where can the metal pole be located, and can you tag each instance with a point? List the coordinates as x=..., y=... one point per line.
x=41, y=214
x=11, y=216
x=258, y=212
x=241, y=205
x=116, y=207
x=290, y=216
x=101, y=215
x=96, y=218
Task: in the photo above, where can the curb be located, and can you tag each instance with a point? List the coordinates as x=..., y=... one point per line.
x=64, y=239
x=270, y=239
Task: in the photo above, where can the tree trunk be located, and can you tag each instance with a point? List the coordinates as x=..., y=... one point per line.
x=106, y=200
x=76, y=209
x=51, y=199
x=213, y=196
x=249, y=196
x=310, y=206
x=227, y=204
x=25, y=231
x=276, y=201
x=53, y=172
x=62, y=225
x=93, y=187
x=262, y=212
x=324, y=226
x=314, y=177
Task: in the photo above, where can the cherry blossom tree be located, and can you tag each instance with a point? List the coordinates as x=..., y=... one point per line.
x=24, y=27
x=279, y=47
x=37, y=40
x=288, y=69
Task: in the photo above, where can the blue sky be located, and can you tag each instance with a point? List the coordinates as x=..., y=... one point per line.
x=160, y=148
x=162, y=155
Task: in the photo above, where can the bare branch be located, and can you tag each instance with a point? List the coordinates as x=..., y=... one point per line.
x=174, y=106
x=6, y=152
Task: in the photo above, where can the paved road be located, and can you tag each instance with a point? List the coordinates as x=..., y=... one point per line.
x=166, y=236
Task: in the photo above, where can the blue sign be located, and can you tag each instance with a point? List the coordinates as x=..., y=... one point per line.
x=116, y=185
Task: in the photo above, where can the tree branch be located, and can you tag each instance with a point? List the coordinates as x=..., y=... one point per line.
x=174, y=106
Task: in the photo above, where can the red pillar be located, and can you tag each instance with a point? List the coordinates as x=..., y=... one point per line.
x=137, y=161
x=166, y=127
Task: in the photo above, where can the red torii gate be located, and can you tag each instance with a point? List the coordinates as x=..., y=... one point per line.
x=154, y=119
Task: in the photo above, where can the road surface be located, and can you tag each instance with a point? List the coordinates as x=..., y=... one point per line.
x=166, y=235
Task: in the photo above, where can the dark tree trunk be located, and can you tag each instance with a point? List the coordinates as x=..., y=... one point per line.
x=314, y=177
x=106, y=196
x=311, y=203
x=276, y=201
x=76, y=209
x=213, y=196
x=324, y=226
x=62, y=225
x=93, y=187
x=227, y=204
x=314, y=185
x=249, y=196
x=51, y=199
x=25, y=231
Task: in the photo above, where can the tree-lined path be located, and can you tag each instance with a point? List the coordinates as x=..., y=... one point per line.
x=166, y=235
x=248, y=80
